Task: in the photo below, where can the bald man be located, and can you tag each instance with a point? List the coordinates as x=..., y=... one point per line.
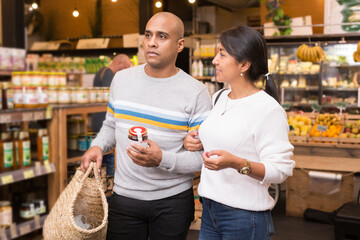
x=152, y=196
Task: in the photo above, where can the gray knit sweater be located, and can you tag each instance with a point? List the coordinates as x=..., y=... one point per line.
x=169, y=108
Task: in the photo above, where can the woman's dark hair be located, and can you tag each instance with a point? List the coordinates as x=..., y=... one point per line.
x=246, y=44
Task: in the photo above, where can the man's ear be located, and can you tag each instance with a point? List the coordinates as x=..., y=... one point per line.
x=181, y=44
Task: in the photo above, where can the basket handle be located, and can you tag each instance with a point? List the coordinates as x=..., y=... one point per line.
x=92, y=166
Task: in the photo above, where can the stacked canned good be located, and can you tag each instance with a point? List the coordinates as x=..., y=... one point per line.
x=65, y=95
x=79, y=139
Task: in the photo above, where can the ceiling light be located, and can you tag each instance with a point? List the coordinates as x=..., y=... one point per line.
x=75, y=12
x=158, y=4
x=192, y=1
x=34, y=5
x=114, y=0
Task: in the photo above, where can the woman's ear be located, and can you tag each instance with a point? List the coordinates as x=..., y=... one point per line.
x=244, y=66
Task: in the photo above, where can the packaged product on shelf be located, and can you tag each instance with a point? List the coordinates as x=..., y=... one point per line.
x=6, y=59
x=43, y=145
x=6, y=152
x=99, y=94
x=5, y=214
x=30, y=97
x=25, y=79
x=61, y=78
x=16, y=148
x=72, y=142
x=18, y=97
x=18, y=56
x=93, y=95
x=1, y=104
x=16, y=79
x=7, y=96
x=24, y=149
x=36, y=79
x=73, y=126
x=106, y=94
x=53, y=95
x=43, y=99
x=82, y=143
x=27, y=210
x=194, y=68
x=73, y=94
x=200, y=69
x=82, y=95
x=52, y=80
x=39, y=205
x=64, y=95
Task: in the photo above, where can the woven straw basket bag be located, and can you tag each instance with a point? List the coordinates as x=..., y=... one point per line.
x=83, y=200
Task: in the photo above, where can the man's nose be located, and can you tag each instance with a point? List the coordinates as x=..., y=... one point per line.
x=152, y=41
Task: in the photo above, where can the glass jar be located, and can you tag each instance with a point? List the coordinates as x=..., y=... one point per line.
x=64, y=95
x=73, y=142
x=138, y=135
x=99, y=94
x=5, y=214
x=93, y=95
x=7, y=96
x=44, y=79
x=62, y=79
x=27, y=210
x=36, y=79
x=106, y=94
x=39, y=205
x=30, y=97
x=82, y=143
x=15, y=79
x=25, y=79
x=73, y=94
x=6, y=152
x=18, y=97
x=52, y=79
x=53, y=95
x=43, y=99
x=82, y=95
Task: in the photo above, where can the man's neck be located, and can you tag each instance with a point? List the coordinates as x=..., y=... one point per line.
x=161, y=72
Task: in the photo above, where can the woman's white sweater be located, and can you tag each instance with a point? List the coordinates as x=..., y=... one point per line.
x=254, y=128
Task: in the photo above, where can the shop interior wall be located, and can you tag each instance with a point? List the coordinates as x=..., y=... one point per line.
x=121, y=17
x=296, y=8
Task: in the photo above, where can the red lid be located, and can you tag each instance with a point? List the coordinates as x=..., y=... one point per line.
x=134, y=131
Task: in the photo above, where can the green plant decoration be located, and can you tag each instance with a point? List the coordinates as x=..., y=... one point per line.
x=96, y=24
x=276, y=13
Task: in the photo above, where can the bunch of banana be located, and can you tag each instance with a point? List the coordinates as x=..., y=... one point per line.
x=356, y=54
x=310, y=54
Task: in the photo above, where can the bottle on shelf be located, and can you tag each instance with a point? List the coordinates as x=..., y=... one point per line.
x=200, y=69
x=7, y=96
x=206, y=69
x=194, y=68
x=211, y=69
x=24, y=149
x=43, y=145
x=16, y=134
x=6, y=152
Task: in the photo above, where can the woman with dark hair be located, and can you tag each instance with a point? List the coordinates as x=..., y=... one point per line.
x=245, y=141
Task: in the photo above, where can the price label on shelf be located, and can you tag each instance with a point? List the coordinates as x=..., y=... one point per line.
x=29, y=174
x=48, y=113
x=7, y=179
x=321, y=128
x=39, y=115
x=5, y=118
x=28, y=116
x=25, y=229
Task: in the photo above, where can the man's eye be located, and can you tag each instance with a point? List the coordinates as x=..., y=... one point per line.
x=161, y=36
x=147, y=35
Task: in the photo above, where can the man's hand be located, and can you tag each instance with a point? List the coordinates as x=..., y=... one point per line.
x=94, y=154
x=150, y=156
x=192, y=142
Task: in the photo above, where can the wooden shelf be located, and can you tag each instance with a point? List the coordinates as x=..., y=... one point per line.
x=206, y=78
x=26, y=173
x=5, y=73
x=21, y=229
x=87, y=52
x=24, y=114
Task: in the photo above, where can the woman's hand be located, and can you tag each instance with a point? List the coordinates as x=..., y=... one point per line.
x=192, y=142
x=220, y=159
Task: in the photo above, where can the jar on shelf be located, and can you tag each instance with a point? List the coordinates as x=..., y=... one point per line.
x=82, y=95
x=73, y=94
x=73, y=142
x=18, y=97
x=44, y=77
x=27, y=210
x=7, y=95
x=93, y=95
x=82, y=143
x=15, y=78
x=6, y=152
x=53, y=95
x=36, y=79
x=64, y=95
x=25, y=79
x=42, y=141
x=52, y=79
x=43, y=99
x=106, y=94
x=24, y=149
x=99, y=94
x=39, y=205
x=30, y=97
x=5, y=214
x=61, y=79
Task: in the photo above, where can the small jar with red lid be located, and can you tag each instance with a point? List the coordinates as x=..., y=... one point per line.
x=138, y=135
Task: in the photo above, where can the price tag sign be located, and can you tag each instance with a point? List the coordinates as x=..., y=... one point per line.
x=24, y=229
x=316, y=107
x=27, y=116
x=39, y=115
x=286, y=106
x=48, y=114
x=7, y=179
x=321, y=128
x=47, y=166
x=341, y=106
x=5, y=118
x=29, y=174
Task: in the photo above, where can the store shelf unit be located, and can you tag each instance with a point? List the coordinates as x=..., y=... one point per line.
x=302, y=83
x=21, y=229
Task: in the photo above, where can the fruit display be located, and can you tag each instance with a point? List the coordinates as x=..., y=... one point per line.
x=299, y=125
x=356, y=54
x=310, y=54
x=330, y=123
x=351, y=130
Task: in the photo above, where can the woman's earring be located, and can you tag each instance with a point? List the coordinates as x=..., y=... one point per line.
x=241, y=74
